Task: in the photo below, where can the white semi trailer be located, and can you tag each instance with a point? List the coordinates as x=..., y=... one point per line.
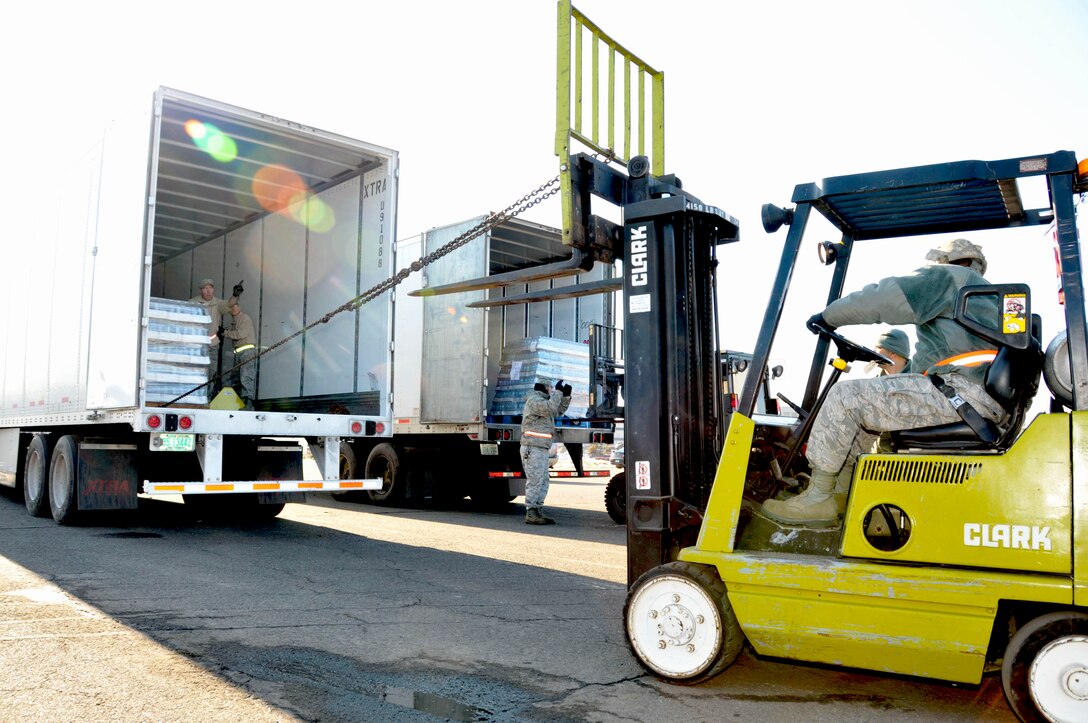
x=91, y=416
x=519, y=283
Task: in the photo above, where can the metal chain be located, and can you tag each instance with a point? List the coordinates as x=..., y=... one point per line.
x=523, y=204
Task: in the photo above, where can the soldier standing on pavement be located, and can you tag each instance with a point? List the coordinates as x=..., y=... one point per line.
x=855, y=411
x=542, y=406
x=244, y=372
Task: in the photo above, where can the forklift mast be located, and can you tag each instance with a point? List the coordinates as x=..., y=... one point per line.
x=673, y=422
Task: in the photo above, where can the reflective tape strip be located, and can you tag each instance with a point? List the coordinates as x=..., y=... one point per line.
x=585, y=473
x=970, y=359
x=197, y=488
x=538, y=435
x=503, y=474
x=244, y=347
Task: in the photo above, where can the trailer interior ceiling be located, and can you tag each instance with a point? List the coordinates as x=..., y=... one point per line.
x=219, y=170
x=518, y=244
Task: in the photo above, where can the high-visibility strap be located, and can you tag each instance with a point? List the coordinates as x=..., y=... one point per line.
x=538, y=435
x=969, y=359
x=244, y=347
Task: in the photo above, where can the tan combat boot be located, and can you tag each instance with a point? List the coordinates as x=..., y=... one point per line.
x=815, y=506
x=533, y=516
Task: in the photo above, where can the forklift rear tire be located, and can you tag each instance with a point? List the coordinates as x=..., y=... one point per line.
x=384, y=464
x=36, y=476
x=680, y=625
x=615, y=498
x=1045, y=672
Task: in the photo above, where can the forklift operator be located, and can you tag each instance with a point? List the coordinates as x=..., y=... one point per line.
x=856, y=411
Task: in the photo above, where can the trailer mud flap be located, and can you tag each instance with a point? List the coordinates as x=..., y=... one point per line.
x=279, y=461
x=106, y=479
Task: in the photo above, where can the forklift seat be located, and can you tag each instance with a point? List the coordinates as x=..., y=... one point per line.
x=1012, y=380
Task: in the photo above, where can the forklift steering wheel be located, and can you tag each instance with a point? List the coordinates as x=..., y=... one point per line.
x=847, y=350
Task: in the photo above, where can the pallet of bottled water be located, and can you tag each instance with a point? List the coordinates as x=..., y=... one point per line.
x=542, y=358
x=178, y=351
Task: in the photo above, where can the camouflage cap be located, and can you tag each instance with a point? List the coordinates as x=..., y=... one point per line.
x=206, y=282
x=958, y=249
x=894, y=341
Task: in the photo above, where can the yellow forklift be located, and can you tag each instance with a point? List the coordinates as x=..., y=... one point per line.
x=959, y=553
x=963, y=551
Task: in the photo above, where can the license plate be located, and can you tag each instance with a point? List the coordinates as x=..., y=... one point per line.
x=167, y=442
x=489, y=450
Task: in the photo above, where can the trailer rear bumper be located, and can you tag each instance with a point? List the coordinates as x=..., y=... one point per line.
x=234, y=487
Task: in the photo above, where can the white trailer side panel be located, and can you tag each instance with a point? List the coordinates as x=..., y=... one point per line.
x=283, y=296
x=208, y=264
x=453, y=334
x=332, y=259
x=117, y=281
x=243, y=257
x=377, y=262
x=178, y=277
x=408, y=336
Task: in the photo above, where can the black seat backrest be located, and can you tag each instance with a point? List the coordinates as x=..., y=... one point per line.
x=1013, y=376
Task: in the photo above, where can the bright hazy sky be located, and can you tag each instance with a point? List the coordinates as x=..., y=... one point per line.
x=760, y=96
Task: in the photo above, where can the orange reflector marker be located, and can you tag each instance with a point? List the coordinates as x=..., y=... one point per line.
x=351, y=485
x=310, y=485
x=220, y=488
x=170, y=488
x=266, y=486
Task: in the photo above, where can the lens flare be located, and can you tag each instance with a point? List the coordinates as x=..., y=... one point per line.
x=315, y=214
x=276, y=187
x=211, y=140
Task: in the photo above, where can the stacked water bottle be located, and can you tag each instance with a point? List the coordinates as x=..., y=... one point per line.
x=528, y=361
x=178, y=357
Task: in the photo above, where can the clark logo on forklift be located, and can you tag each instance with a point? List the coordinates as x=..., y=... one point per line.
x=639, y=275
x=1015, y=537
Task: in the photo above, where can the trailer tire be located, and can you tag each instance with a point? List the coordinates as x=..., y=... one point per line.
x=679, y=623
x=615, y=498
x=384, y=463
x=63, y=481
x=260, y=513
x=1045, y=670
x=36, y=476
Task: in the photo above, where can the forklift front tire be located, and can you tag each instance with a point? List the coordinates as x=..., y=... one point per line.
x=680, y=625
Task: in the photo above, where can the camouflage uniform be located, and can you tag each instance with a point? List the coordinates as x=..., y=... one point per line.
x=857, y=408
x=537, y=424
x=244, y=337
x=856, y=411
x=216, y=308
